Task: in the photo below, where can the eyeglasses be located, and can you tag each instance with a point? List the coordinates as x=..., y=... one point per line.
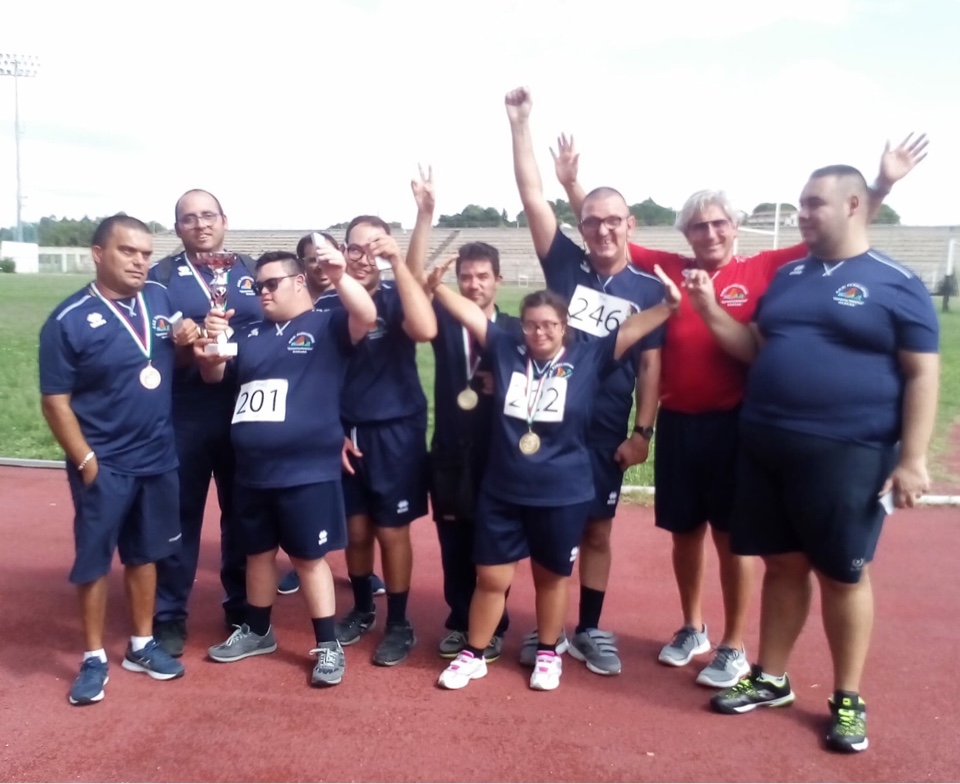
x=270, y=284
x=356, y=254
x=310, y=261
x=593, y=223
x=206, y=218
x=546, y=327
x=720, y=226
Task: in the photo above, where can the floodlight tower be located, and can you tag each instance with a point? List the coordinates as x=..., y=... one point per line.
x=18, y=66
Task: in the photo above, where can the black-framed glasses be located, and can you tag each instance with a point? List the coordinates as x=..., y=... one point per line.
x=270, y=284
x=191, y=220
x=546, y=327
x=593, y=223
x=355, y=253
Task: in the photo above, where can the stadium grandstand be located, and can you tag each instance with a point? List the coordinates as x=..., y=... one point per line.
x=924, y=249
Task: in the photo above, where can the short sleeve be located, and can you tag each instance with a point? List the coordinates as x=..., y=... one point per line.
x=561, y=263
x=917, y=327
x=772, y=260
x=58, y=361
x=647, y=258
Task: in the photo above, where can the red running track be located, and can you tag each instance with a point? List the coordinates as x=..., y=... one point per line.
x=258, y=720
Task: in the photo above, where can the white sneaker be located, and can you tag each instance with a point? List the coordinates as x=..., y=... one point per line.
x=546, y=673
x=465, y=668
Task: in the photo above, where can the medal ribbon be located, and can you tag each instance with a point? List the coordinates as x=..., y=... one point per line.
x=533, y=396
x=473, y=362
x=145, y=343
x=199, y=278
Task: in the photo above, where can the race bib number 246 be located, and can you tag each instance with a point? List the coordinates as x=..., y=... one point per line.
x=597, y=313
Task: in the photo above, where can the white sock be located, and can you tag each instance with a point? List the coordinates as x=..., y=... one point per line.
x=776, y=680
x=139, y=643
x=100, y=654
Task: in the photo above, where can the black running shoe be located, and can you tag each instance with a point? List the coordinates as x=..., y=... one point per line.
x=172, y=636
x=354, y=625
x=396, y=644
x=752, y=692
x=848, y=725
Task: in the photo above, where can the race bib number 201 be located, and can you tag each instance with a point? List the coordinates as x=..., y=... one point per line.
x=597, y=313
x=262, y=401
x=552, y=401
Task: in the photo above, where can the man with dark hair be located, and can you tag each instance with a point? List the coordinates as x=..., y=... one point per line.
x=106, y=365
x=463, y=412
x=827, y=447
x=286, y=433
x=384, y=416
x=602, y=289
x=201, y=421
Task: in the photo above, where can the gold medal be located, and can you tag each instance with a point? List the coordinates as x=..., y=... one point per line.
x=468, y=399
x=529, y=443
x=150, y=377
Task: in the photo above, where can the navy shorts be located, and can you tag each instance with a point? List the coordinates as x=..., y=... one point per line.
x=138, y=516
x=817, y=496
x=505, y=532
x=390, y=483
x=607, y=481
x=695, y=469
x=307, y=521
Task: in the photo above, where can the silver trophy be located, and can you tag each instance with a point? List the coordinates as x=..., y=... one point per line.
x=219, y=263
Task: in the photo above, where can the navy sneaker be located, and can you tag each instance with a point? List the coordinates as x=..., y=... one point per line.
x=154, y=661
x=88, y=687
x=379, y=588
x=172, y=636
x=289, y=583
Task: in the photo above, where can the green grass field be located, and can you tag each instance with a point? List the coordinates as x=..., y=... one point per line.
x=27, y=300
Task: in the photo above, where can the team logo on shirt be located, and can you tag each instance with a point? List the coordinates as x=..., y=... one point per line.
x=254, y=332
x=245, y=285
x=161, y=327
x=851, y=295
x=734, y=296
x=574, y=553
x=184, y=271
x=378, y=331
x=561, y=370
x=612, y=498
x=301, y=343
x=96, y=320
x=798, y=270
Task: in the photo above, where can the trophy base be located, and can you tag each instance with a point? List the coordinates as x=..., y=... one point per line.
x=221, y=349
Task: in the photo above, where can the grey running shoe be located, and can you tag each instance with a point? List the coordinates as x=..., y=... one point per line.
x=451, y=645
x=331, y=664
x=395, y=646
x=729, y=665
x=598, y=650
x=492, y=652
x=528, y=649
x=354, y=625
x=687, y=643
x=243, y=643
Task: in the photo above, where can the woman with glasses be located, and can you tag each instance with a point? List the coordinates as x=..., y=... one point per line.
x=538, y=484
x=701, y=389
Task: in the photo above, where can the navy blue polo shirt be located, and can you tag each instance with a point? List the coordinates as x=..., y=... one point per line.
x=597, y=305
x=286, y=427
x=454, y=427
x=192, y=399
x=832, y=330
x=86, y=351
x=559, y=473
x=382, y=382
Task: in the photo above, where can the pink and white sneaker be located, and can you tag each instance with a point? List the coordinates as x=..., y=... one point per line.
x=465, y=668
x=546, y=671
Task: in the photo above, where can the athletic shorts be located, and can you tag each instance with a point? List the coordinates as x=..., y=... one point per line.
x=307, y=521
x=813, y=495
x=607, y=481
x=505, y=532
x=137, y=516
x=390, y=483
x=695, y=469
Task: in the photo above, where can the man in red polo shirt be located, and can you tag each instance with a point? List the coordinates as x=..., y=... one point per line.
x=701, y=388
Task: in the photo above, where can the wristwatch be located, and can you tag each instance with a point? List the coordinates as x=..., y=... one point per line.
x=645, y=432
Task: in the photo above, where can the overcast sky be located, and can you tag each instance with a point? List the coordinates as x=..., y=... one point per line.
x=300, y=115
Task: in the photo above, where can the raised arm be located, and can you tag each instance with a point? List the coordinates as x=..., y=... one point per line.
x=896, y=164
x=361, y=310
x=566, y=163
x=540, y=217
x=65, y=427
x=467, y=312
x=644, y=322
x=739, y=340
x=419, y=320
x=424, y=195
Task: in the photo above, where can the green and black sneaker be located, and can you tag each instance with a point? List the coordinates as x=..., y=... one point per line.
x=752, y=692
x=848, y=724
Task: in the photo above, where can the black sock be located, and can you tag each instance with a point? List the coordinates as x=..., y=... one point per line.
x=591, y=605
x=542, y=646
x=477, y=652
x=362, y=592
x=323, y=629
x=258, y=619
x=397, y=607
